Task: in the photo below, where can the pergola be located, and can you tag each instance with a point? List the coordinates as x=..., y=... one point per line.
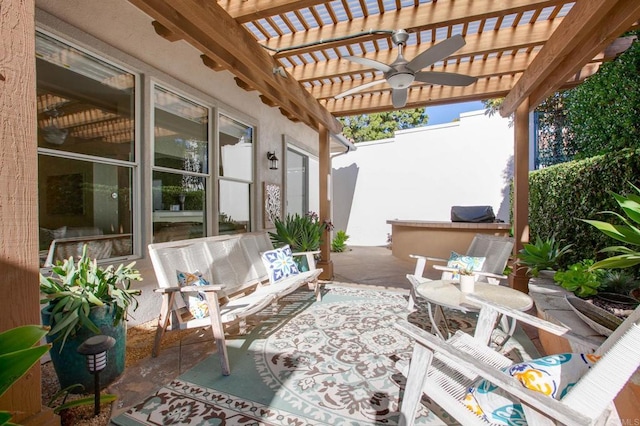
x=291, y=53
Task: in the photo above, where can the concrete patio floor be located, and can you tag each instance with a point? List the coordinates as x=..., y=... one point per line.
x=372, y=267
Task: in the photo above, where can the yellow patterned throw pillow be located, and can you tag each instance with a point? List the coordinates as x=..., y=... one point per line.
x=552, y=375
x=196, y=301
x=460, y=261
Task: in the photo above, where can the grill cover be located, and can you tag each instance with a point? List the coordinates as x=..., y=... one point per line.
x=473, y=214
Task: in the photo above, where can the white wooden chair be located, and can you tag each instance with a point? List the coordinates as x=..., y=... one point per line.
x=444, y=370
x=495, y=250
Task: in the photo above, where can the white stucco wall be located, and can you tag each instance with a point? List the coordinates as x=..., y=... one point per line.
x=120, y=33
x=421, y=173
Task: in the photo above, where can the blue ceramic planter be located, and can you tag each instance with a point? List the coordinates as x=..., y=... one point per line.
x=71, y=367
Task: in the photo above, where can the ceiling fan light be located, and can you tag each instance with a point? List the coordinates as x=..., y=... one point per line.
x=400, y=80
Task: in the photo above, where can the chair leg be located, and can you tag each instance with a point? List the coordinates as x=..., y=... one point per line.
x=416, y=379
x=163, y=321
x=217, y=328
x=318, y=290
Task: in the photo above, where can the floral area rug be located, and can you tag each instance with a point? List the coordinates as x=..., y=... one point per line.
x=314, y=363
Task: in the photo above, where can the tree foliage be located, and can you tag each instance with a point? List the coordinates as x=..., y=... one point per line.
x=381, y=125
x=604, y=112
x=599, y=116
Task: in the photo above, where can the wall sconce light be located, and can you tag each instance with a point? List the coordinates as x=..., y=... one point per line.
x=273, y=160
x=95, y=349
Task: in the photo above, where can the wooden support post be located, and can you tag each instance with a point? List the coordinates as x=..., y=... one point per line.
x=519, y=280
x=19, y=266
x=325, y=201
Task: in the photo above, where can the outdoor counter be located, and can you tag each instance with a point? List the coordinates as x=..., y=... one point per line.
x=438, y=239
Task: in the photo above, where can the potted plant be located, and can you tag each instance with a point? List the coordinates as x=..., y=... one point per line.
x=84, y=299
x=542, y=255
x=467, y=280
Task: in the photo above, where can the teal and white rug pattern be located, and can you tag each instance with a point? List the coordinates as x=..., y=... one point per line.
x=316, y=363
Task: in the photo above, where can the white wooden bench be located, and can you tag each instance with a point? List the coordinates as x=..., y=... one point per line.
x=239, y=283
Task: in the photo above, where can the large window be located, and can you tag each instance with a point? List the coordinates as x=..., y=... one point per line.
x=181, y=167
x=236, y=175
x=86, y=153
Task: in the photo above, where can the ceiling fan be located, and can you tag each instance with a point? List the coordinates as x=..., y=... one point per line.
x=401, y=73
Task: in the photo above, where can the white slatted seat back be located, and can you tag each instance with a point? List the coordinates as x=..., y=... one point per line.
x=229, y=265
x=189, y=256
x=495, y=250
x=254, y=244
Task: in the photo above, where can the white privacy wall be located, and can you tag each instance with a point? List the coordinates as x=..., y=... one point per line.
x=421, y=173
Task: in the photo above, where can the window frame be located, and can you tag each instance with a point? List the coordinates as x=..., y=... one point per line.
x=135, y=164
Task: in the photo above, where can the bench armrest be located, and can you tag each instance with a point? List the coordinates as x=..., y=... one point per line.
x=311, y=258
x=205, y=288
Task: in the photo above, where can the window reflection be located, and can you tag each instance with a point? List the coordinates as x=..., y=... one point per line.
x=180, y=144
x=83, y=202
x=85, y=105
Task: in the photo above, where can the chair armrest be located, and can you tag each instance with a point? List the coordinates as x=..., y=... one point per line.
x=432, y=259
x=484, y=274
x=421, y=263
x=539, y=323
x=545, y=404
x=311, y=259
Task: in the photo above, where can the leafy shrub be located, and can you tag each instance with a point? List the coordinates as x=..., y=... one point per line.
x=580, y=278
x=339, y=243
x=559, y=195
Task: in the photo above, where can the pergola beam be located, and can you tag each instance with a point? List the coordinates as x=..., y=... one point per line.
x=426, y=17
x=210, y=29
x=478, y=44
x=245, y=11
x=573, y=43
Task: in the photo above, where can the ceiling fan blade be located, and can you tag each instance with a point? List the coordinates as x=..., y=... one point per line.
x=371, y=63
x=436, y=53
x=399, y=97
x=445, y=78
x=358, y=88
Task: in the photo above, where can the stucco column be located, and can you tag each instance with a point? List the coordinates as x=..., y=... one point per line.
x=324, y=157
x=519, y=280
x=19, y=265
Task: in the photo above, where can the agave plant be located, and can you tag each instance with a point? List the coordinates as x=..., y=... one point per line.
x=541, y=255
x=627, y=232
x=302, y=233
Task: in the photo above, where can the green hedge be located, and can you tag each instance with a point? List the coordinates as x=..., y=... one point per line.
x=560, y=195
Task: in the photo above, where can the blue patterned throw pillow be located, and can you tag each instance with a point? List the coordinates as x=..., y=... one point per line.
x=196, y=301
x=279, y=263
x=459, y=261
x=552, y=375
